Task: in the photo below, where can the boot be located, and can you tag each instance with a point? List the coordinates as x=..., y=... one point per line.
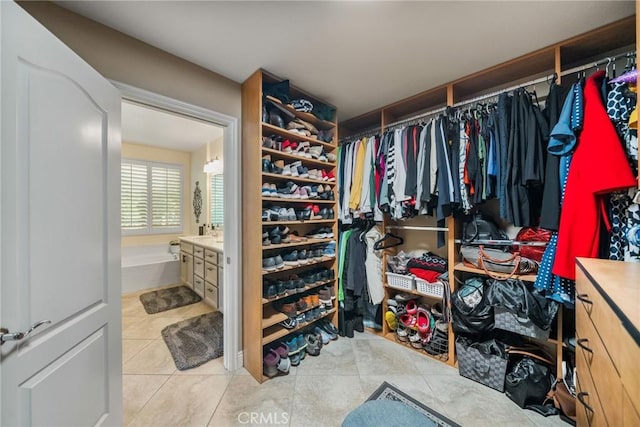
x=349, y=325
x=358, y=324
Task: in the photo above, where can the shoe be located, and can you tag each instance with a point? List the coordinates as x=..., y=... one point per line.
x=303, y=257
x=269, y=264
x=323, y=334
x=358, y=324
x=402, y=333
x=301, y=304
x=266, y=190
x=315, y=300
x=411, y=307
x=290, y=258
x=315, y=151
x=408, y=320
x=391, y=320
x=270, y=363
x=289, y=323
x=349, y=324
x=281, y=289
x=329, y=327
x=269, y=292
x=330, y=177
x=331, y=157
x=284, y=365
x=414, y=338
x=313, y=347
x=330, y=249
x=309, y=317
x=296, y=239
x=278, y=167
x=299, y=284
x=324, y=296
x=279, y=262
x=292, y=344
x=275, y=119
x=319, y=233
x=288, y=308
x=302, y=319
x=304, y=215
x=290, y=215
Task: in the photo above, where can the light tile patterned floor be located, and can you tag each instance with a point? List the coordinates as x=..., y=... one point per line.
x=320, y=392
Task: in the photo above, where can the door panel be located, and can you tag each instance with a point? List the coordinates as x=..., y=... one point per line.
x=60, y=230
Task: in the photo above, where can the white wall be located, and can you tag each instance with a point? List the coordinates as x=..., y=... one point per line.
x=199, y=157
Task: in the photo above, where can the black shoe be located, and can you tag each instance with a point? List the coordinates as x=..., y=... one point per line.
x=358, y=324
x=276, y=119
x=349, y=328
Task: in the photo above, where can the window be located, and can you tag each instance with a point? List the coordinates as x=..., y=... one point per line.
x=151, y=197
x=217, y=200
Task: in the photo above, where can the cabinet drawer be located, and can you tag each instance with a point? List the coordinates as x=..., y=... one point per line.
x=630, y=416
x=211, y=256
x=211, y=273
x=604, y=375
x=198, y=267
x=198, y=286
x=186, y=247
x=210, y=294
x=220, y=258
x=591, y=415
x=198, y=251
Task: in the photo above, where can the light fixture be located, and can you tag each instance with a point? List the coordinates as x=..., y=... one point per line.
x=214, y=167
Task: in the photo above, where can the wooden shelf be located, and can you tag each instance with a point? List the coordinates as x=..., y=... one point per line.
x=305, y=161
x=272, y=317
x=307, y=117
x=295, y=267
x=298, y=222
x=412, y=292
x=283, y=200
x=279, y=332
x=279, y=177
x=307, y=242
x=306, y=288
x=524, y=277
x=391, y=336
x=268, y=129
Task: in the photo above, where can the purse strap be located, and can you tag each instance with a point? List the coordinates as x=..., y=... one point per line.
x=530, y=354
x=482, y=255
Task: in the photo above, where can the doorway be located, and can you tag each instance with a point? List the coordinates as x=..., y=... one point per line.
x=226, y=149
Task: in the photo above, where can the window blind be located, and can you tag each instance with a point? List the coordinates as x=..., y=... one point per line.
x=134, y=196
x=217, y=199
x=166, y=197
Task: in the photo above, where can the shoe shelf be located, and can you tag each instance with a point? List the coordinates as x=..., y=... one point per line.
x=307, y=242
x=276, y=332
x=268, y=129
x=307, y=117
x=272, y=317
x=391, y=336
x=412, y=292
x=304, y=160
x=525, y=277
x=280, y=177
x=299, y=222
x=285, y=200
x=306, y=288
x=295, y=267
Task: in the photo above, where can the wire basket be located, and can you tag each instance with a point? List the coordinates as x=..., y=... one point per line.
x=400, y=281
x=435, y=289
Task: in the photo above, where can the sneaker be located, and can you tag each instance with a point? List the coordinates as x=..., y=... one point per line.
x=325, y=336
x=286, y=171
x=330, y=249
x=290, y=258
x=292, y=344
x=313, y=347
x=302, y=319
x=302, y=344
x=315, y=151
x=309, y=316
x=270, y=363
x=279, y=262
x=288, y=308
x=291, y=214
x=301, y=304
x=269, y=264
x=303, y=257
x=319, y=233
x=281, y=289
x=331, y=177
x=289, y=323
x=269, y=292
x=329, y=327
x=324, y=296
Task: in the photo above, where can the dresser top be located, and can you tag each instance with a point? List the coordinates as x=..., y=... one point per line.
x=619, y=284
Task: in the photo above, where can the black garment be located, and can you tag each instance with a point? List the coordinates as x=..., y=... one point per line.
x=426, y=175
x=550, y=212
x=504, y=110
x=356, y=253
x=453, y=138
x=474, y=169
x=411, y=143
x=341, y=170
x=444, y=198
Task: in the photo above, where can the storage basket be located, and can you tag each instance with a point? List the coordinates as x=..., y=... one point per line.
x=507, y=320
x=487, y=369
x=435, y=289
x=400, y=281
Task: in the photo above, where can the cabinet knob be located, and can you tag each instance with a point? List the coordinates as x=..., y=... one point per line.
x=582, y=346
x=584, y=298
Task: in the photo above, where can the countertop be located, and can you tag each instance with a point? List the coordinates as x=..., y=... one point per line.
x=619, y=283
x=207, y=242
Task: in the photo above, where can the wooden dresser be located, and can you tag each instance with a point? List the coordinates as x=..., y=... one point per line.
x=608, y=342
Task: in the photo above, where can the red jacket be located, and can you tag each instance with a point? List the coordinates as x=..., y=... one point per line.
x=599, y=166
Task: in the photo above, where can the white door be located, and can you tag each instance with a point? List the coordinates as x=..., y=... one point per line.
x=60, y=231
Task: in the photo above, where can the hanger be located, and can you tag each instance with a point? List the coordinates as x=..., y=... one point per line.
x=379, y=244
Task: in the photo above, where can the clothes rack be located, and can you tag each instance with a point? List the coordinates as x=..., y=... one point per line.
x=415, y=227
x=365, y=133
x=414, y=118
x=502, y=243
x=604, y=61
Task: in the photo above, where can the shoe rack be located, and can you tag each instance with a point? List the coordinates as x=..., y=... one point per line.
x=261, y=318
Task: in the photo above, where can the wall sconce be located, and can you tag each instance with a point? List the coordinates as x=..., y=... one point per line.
x=214, y=167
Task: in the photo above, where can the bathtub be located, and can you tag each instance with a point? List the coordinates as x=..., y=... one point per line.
x=148, y=266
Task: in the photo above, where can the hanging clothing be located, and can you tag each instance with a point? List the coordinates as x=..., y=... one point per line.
x=599, y=166
x=373, y=266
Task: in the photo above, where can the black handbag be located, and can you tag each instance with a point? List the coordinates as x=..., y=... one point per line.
x=529, y=380
x=470, y=310
x=480, y=228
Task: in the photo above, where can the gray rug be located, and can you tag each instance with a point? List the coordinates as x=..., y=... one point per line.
x=389, y=392
x=195, y=341
x=167, y=299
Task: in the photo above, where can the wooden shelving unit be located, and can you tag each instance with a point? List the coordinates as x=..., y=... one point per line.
x=579, y=50
x=261, y=320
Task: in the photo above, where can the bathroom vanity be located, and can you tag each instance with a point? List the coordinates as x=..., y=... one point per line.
x=202, y=267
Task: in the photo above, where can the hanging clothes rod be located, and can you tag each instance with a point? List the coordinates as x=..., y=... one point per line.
x=369, y=132
x=498, y=92
x=604, y=61
x=416, y=117
x=501, y=243
x=416, y=227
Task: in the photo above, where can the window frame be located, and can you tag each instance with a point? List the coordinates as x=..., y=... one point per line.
x=150, y=229
x=211, y=191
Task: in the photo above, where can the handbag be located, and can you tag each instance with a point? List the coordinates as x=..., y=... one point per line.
x=470, y=311
x=533, y=234
x=529, y=380
x=479, y=228
x=495, y=261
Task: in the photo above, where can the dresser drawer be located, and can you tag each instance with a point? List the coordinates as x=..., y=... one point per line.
x=211, y=256
x=211, y=273
x=198, y=286
x=596, y=359
x=210, y=294
x=198, y=267
x=186, y=247
x=630, y=416
x=198, y=251
x=588, y=409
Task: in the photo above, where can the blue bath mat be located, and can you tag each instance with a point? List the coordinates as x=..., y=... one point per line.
x=167, y=299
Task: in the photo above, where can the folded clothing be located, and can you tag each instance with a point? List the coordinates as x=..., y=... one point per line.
x=302, y=105
x=428, y=261
x=428, y=275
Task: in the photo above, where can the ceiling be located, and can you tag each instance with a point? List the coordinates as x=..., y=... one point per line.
x=358, y=55
x=148, y=126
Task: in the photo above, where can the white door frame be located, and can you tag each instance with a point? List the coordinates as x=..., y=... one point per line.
x=232, y=227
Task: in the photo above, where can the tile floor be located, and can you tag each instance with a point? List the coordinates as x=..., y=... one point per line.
x=319, y=392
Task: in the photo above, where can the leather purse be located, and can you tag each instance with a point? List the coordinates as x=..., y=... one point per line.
x=533, y=234
x=529, y=380
x=480, y=228
x=494, y=261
